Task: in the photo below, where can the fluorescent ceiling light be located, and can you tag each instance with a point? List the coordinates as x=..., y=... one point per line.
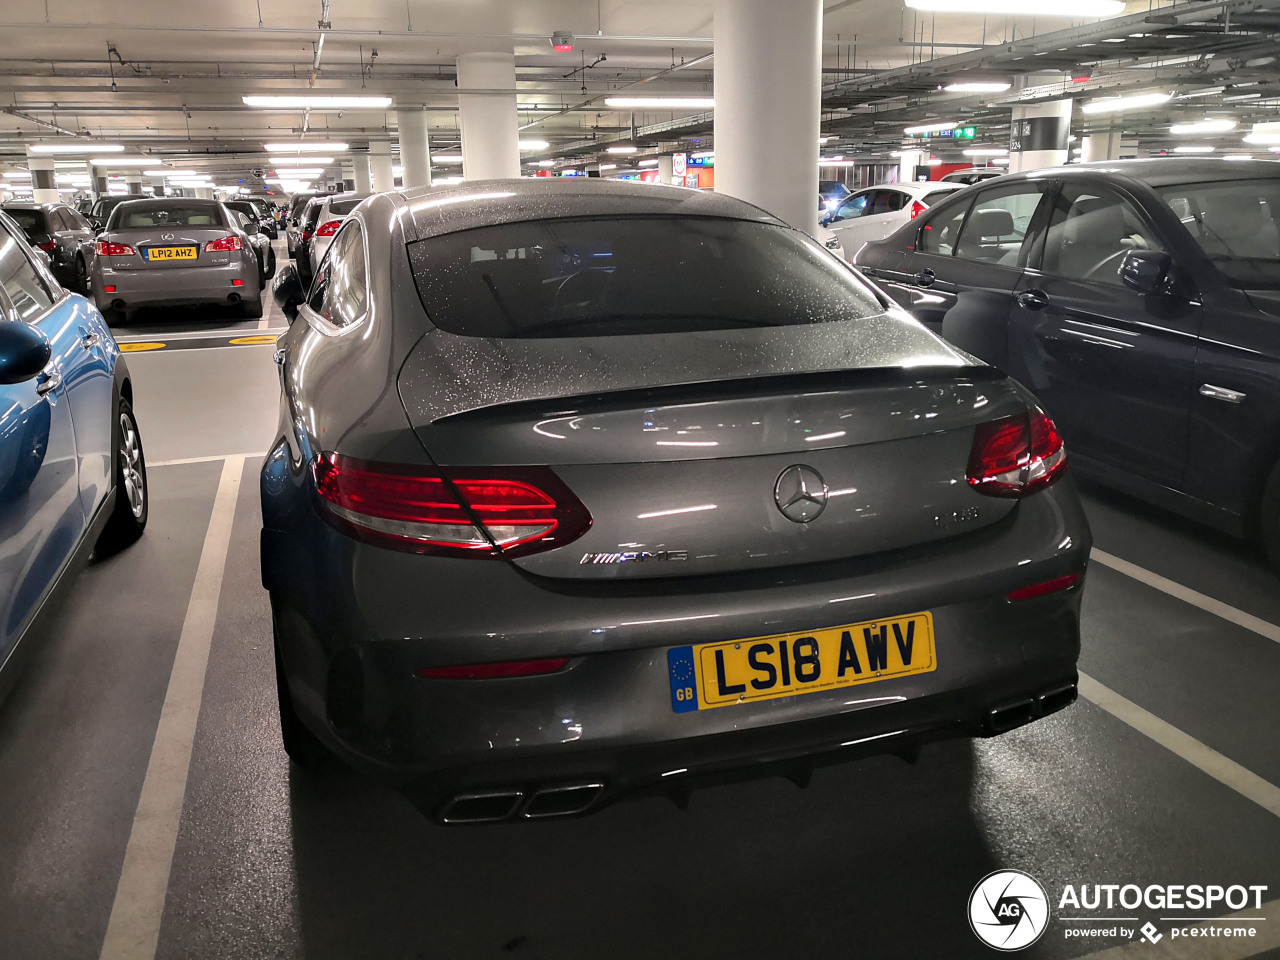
x=1038, y=8
x=76, y=148
x=552, y=163
x=836, y=163
x=1135, y=102
x=1238, y=156
x=649, y=163
x=446, y=158
x=822, y=140
x=1243, y=96
x=608, y=166
x=976, y=87
x=123, y=161
x=703, y=154
x=534, y=144
x=303, y=146
x=309, y=102
x=299, y=172
x=662, y=103
x=1202, y=92
x=18, y=175
x=157, y=173
x=931, y=127
x=1264, y=133
x=285, y=161
x=1000, y=161
x=987, y=152
x=621, y=149
x=1194, y=149
x=1203, y=126
x=834, y=156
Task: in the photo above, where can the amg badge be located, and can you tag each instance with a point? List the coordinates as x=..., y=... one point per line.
x=634, y=556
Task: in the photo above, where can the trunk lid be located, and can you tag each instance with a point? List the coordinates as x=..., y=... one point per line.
x=689, y=450
x=145, y=239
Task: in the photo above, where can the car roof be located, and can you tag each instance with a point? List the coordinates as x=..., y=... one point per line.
x=913, y=187
x=28, y=205
x=1166, y=171
x=482, y=203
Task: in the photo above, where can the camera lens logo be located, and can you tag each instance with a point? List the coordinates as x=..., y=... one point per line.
x=1008, y=910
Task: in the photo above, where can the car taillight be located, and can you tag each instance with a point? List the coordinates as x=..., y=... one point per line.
x=917, y=208
x=328, y=229
x=223, y=245
x=1015, y=456
x=306, y=235
x=1056, y=585
x=48, y=246
x=106, y=248
x=455, y=511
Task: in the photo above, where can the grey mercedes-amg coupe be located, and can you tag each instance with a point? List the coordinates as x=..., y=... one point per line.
x=584, y=489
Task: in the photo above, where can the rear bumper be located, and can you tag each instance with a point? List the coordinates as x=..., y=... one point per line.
x=175, y=285
x=354, y=623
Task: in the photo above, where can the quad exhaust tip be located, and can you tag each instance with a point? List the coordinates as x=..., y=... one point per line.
x=493, y=806
x=1003, y=719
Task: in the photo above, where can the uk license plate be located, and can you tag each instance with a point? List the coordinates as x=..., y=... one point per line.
x=171, y=253
x=763, y=668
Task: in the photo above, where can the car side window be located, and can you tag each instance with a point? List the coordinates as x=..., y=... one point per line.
x=940, y=232
x=1091, y=230
x=887, y=201
x=997, y=226
x=26, y=291
x=341, y=290
x=852, y=208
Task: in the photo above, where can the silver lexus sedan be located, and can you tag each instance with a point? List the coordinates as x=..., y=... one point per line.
x=173, y=251
x=585, y=489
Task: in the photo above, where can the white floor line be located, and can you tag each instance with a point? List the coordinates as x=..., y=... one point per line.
x=1223, y=769
x=1206, y=948
x=1263, y=628
x=209, y=459
x=134, y=927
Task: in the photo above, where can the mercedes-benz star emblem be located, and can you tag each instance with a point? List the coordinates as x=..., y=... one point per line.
x=166, y=236
x=801, y=493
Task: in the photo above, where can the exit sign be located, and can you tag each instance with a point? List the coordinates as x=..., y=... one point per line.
x=959, y=133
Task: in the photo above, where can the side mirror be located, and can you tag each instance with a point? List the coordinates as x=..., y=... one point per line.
x=1146, y=271
x=287, y=291
x=96, y=224
x=24, y=352
x=250, y=227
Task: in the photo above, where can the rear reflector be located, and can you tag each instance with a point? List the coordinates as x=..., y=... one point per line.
x=328, y=229
x=1015, y=456
x=456, y=511
x=106, y=248
x=488, y=671
x=1057, y=585
x=110, y=288
x=223, y=245
x=237, y=283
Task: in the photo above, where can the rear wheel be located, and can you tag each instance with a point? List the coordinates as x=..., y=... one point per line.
x=82, y=276
x=129, y=515
x=1270, y=518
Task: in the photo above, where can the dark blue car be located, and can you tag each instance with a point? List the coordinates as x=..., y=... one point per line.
x=72, y=473
x=1140, y=301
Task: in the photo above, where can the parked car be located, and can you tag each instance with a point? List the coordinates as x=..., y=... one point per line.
x=830, y=193
x=308, y=222
x=293, y=230
x=72, y=473
x=264, y=221
x=971, y=175
x=63, y=234
x=584, y=488
x=174, y=251
x=103, y=206
x=876, y=212
x=1140, y=301
x=261, y=244
x=329, y=214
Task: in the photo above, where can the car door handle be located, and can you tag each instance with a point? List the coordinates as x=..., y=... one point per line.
x=279, y=355
x=1032, y=300
x=48, y=382
x=925, y=278
x=89, y=341
x=1221, y=393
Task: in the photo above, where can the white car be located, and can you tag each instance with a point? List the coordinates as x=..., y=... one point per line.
x=875, y=212
x=829, y=240
x=333, y=211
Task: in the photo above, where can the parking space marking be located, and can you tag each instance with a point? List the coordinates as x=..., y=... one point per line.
x=1266, y=922
x=1223, y=769
x=134, y=927
x=1264, y=628
x=209, y=459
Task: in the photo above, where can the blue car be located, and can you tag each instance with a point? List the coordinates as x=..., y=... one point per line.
x=72, y=473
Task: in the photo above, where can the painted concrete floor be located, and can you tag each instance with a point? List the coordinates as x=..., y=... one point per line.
x=1164, y=773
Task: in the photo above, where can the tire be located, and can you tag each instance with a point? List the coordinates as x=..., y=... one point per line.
x=251, y=309
x=129, y=515
x=1269, y=518
x=271, y=264
x=303, y=747
x=82, y=276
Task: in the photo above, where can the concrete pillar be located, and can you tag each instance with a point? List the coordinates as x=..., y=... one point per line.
x=490, y=134
x=135, y=186
x=907, y=163
x=99, y=185
x=415, y=148
x=380, y=166
x=44, y=180
x=204, y=193
x=665, y=171
x=1101, y=146
x=767, y=121
x=364, y=183
x=1038, y=135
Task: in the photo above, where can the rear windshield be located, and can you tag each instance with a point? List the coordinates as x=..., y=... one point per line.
x=31, y=221
x=1237, y=225
x=168, y=215
x=610, y=277
x=244, y=206
x=340, y=208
